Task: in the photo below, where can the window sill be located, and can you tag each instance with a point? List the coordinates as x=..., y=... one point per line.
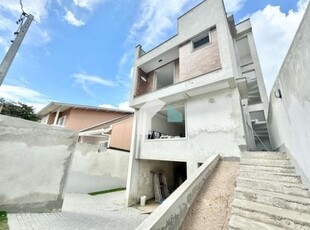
x=166, y=139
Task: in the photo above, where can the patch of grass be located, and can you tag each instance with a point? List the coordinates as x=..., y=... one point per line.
x=3, y=221
x=106, y=191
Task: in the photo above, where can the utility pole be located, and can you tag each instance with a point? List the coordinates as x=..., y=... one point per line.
x=9, y=57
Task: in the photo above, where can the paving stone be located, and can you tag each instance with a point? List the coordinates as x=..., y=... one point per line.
x=83, y=212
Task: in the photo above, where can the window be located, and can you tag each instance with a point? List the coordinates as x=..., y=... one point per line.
x=164, y=76
x=201, y=40
x=61, y=120
x=168, y=123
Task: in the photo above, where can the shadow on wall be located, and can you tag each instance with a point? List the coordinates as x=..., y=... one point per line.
x=95, y=171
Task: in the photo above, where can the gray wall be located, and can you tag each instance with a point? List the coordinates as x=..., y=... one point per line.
x=288, y=119
x=145, y=186
x=170, y=214
x=96, y=171
x=35, y=159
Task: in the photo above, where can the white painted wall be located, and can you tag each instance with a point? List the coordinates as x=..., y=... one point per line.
x=92, y=171
x=288, y=119
x=213, y=124
x=35, y=160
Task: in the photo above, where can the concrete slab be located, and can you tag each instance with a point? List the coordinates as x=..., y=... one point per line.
x=263, y=155
x=275, y=199
x=268, y=168
x=273, y=162
x=273, y=186
x=241, y=223
x=271, y=215
x=275, y=176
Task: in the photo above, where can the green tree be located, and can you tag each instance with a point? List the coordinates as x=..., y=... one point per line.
x=19, y=109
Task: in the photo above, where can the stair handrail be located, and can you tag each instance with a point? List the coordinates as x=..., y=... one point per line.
x=255, y=134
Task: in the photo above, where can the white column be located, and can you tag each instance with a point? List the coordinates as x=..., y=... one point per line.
x=56, y=117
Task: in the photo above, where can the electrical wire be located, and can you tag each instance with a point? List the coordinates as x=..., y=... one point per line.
x=21, y=6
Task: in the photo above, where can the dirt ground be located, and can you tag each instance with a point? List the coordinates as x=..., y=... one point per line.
x=211, y=208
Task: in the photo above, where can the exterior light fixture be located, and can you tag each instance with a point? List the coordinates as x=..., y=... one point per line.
x=277, y=93
x=143, y=78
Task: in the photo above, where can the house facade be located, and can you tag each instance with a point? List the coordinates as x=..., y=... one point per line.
x=78, y=117
x=114, y=134
x=200, y=92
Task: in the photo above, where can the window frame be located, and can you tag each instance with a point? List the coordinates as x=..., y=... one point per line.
x=200, y=37
x=184, y=104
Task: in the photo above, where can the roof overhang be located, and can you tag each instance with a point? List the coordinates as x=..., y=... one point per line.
x=61, y=107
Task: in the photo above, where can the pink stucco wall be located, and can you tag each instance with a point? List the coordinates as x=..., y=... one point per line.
x=78, y=119
x=121, y=134
x=82, y=118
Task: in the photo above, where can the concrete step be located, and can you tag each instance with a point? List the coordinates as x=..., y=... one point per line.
x=273, y=162
x=241, y=223
x=268, y=168
x=274, y=176
x=273, y=186
x=263, y=155
x=280, y=200
x=271, y=215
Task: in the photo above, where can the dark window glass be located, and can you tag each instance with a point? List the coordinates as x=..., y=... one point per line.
x=201, y=42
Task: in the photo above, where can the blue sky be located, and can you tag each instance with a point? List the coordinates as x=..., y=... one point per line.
x=81, y=51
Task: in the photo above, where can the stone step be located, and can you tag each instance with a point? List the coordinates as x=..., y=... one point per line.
x=268, y=168
x=263, y=155
x=272, y=162
x=294, y=203
x=271, y=215
x=241, y=223
x=274, y=176
x=273, y=186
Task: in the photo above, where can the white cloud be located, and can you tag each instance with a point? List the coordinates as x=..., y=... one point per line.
x=87, y=4
x=9, y=13
x=155, y=20
x=123, y=105
x=38, y=8
x=86, y=80
x=108, y=106
x=25, y=95
x=273, y=32
x=72, y=20
x=233, y=6
x=92, y=79
x=125, y=58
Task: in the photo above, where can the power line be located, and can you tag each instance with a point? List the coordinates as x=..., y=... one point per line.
x=21, y=6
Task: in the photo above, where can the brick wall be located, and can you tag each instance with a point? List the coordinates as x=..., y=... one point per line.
x=200, y=61
x=142, y=86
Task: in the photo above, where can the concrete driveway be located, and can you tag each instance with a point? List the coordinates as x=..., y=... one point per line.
x=82, y=211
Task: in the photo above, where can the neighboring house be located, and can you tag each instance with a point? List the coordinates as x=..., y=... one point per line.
x=200, y=92
x=78, y=117
x=105, y=127
x=115, y=133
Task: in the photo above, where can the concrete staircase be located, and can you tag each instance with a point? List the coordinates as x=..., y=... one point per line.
x=269, y=194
